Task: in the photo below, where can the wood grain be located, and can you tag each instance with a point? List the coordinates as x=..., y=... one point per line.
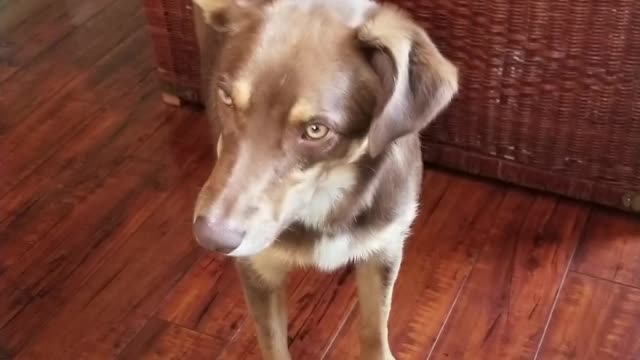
x=209, y=299
x=96, y=317
x=97, y=260
x=76, y=110
x=59, y=276
x=15, y=13
x=48, y=193
x=334, y=304
x=437, y=261
x=34, y=84
x=32, y=27
x=53, y=272
x=611, y=248
x=503, y=309
x=594, y=320
x=163, y=340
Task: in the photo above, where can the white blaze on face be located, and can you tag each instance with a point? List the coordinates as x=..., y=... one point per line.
x=261, y=225
x=235, y=203
x=310, y=197
x=351, y=12
x=290, y=21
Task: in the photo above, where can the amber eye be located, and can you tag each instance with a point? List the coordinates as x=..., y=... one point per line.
x=225, y=97
x=316, y=131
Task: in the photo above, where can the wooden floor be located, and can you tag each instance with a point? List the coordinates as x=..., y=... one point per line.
x=97, y=261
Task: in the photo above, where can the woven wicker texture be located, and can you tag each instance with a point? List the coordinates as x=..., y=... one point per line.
x=170, y=24
x=550, y=93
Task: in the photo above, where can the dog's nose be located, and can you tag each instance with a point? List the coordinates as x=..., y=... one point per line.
x=216, y=235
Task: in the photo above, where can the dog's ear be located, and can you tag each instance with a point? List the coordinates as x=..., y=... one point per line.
x=224, y=15
x=417, y=81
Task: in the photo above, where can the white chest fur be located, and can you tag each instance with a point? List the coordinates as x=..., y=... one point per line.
x=330, y=253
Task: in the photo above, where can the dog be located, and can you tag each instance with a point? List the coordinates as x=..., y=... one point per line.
x=318, y=106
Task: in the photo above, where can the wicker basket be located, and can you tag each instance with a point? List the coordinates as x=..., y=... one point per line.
x=171, y=26
x=550, y=93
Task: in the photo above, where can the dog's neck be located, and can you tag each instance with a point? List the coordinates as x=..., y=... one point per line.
x=365, y=203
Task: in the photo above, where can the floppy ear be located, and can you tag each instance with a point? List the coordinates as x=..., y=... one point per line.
x=224, y=15
x=417, y=81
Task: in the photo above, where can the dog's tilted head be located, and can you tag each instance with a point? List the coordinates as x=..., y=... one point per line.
x=304, y=90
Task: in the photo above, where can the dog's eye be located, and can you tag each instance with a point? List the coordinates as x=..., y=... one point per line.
x=225, y=97
x=316, y=131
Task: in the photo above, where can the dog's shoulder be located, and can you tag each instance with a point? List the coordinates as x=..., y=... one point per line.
x=332, y=251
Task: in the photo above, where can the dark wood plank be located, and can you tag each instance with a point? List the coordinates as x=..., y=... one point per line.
x=317, y=310
x=20, y=20
x=12, y=302
x=438, y=261
x=88, y=233
x=160, y=339
x=79, y=207
x=502, y=310
x=39, y=81
x=49, y=265
x=14, y=13
x=346, y=344
x=189, y=302
x=594, y=320
x=438, y=258
x=611, y=248
x=335, y=302
x=28, y=28
x=40, y=202
x=208, y=299
x=68, y=115
x=74, y=110
x=126, y=284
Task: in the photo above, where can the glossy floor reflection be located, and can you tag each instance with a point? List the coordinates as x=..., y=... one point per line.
x=97, y=261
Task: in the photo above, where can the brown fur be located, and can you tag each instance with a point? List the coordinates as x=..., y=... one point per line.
x=371, y=76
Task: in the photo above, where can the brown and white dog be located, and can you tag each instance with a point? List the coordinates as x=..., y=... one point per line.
x=318, y=104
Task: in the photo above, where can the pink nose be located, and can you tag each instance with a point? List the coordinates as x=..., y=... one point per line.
x=216, y=236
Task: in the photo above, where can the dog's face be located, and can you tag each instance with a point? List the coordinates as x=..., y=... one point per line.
x=304, y=91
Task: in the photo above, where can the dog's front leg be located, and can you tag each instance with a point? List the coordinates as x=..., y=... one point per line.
x=266, y=297
x=376, y=278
